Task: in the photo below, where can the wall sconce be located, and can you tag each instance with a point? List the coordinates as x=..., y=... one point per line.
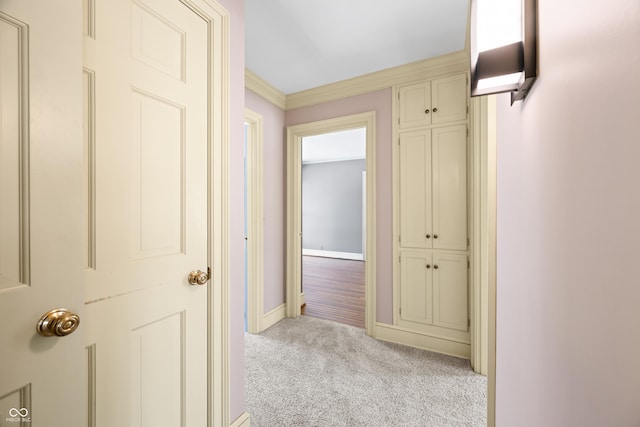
x=503, y=47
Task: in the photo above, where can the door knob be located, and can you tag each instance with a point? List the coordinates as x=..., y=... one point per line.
x=435, y=266
x=198, y=277
x=426, y=111
x=428, y=265
x=58, y=322
x=435, y=109
x=428, y=236
x=435, y=236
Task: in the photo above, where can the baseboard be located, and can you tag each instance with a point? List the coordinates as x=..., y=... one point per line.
x=410, y=338
x=242, y=421
x=333, y=254
x=274, y=316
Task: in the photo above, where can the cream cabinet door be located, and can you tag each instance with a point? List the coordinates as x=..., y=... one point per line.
x=415, y=189
x=414, y=105
x=449, y=187
x=449, y=99
x=416, y=287
x=450, y=297
x=42, y=379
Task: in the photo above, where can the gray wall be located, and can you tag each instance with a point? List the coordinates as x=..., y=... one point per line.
x=332, y=206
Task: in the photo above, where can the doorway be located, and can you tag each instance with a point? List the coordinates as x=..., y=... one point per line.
x=334, y=225
x=295, y=136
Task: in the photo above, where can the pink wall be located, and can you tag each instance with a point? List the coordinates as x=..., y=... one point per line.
x=274, y=202
x=236, y=9
x=568, y=339
x=380, y=102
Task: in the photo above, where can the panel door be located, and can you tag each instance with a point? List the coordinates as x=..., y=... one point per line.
x=450, y=297
x=415, y=189
x=449, y=99
x=42, y=379
x=146, y=114
x=450, y=187
x=414, y=105
x=416, y=287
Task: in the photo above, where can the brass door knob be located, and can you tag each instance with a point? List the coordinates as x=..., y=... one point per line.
x=435, y=110
x=198, y=277
x=59, y=322
x=426, y=111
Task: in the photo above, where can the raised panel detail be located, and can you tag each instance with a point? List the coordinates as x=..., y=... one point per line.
x=450, y=187
x=415, y=184
x=159, y=176
x=449, y=97
x=89, y=18
x=14, y=154
x=158, y=43
x=416, y=288
x=89, y=136
x=159, y=372
x=15, y=407
x=91, y=385
x=450, y=291
x=413, y=103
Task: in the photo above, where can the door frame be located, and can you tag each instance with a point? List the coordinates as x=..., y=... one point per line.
x=294, y=208
x=255, y=225
x=219, y=130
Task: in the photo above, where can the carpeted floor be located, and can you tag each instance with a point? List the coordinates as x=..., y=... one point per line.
x=312, y=372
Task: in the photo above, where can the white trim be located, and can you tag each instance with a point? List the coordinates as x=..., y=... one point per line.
x=273, y=316
x=412, y=338
x=415, y=71
x=294, y=208
x=255, y=225
x=259, y=86
x=243, y=420
x=331, y=254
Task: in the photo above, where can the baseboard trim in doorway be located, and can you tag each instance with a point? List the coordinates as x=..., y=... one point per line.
x=333, y=254
x=273, y=316
x=242, y=421
x=403, y=336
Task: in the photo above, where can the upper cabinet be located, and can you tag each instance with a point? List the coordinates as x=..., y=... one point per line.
x=433, y=102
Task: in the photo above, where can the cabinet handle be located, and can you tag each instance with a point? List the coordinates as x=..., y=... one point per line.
x=426, y=111
x=428, y=236
x=435, y=110
x=435, y=266
x=428, y=265
x=435, y=236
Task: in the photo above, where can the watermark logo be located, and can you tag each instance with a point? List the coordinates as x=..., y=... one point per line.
x=18, y=415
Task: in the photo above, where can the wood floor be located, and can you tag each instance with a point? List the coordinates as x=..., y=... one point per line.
x=334, y=289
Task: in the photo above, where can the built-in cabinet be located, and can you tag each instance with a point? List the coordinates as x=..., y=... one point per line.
x=431, y=170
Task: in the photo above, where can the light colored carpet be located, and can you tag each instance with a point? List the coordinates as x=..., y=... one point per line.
x=312, y=372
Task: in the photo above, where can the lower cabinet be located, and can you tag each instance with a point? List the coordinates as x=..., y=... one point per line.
x=434, y=293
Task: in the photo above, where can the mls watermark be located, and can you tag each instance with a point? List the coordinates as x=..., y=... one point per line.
x=18, y=416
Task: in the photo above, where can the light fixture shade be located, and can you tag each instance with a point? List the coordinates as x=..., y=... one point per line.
x=503, y=47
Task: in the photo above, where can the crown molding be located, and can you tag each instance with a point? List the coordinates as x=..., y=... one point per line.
x=408, y=73
x=261, y=87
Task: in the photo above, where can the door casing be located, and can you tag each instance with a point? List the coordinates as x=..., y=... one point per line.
x=294, y=208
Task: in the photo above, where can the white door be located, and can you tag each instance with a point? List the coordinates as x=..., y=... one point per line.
x=146, y=72
x=42, y=379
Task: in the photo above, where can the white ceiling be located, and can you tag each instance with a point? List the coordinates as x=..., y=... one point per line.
x=302, y=44
x=335, y=146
